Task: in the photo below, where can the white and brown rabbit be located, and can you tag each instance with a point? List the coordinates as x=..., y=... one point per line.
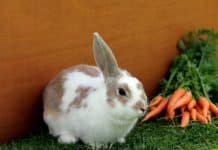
x=97, y=105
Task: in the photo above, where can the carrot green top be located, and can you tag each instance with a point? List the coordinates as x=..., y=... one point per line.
x=196, y=67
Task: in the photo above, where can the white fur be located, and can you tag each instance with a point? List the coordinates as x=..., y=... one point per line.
x=98, y=123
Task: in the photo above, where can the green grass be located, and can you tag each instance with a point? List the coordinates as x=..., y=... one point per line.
x=152, y=135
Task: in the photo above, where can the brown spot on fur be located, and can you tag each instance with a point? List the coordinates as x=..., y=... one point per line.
x=88, y=70
x=54, y=91
x=111, y=102
x=82, y=92
x=138, y=105
x=124, y=99
x=112, y=92
x=126, y=88
x=53, y=94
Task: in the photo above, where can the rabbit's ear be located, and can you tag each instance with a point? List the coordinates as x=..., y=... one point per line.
x=104, y=57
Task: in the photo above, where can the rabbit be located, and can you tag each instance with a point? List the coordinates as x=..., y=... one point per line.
x=94, y=104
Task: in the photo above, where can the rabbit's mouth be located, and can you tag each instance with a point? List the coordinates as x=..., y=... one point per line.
x=142, y=112
x=142, y=109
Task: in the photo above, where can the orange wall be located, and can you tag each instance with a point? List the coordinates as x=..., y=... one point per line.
x=40, y=37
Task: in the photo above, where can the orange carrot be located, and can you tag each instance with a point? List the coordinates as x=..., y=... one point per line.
x=204, y=103
x=185, y=119
x=213, y=108
x=209, y=116
x=174, y=97
x=199, y=109
x=152, y=108
x=191, y=104
x=156, y=111
x=171, y=114
x=155, y=101
x=193, y=114
x=184, y=100
x=183, y=108
x=201, y=118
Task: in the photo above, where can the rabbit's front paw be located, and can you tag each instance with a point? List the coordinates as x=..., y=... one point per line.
x=66, y=139
x=121, y=140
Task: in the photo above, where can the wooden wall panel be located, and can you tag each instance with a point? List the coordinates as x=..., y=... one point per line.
x=38, y=38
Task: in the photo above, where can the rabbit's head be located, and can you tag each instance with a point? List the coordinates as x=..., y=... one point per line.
x=125, y=94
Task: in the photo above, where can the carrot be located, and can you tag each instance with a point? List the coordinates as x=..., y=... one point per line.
x=171, y=114
x=199, y=109
x=204, y=103
x=155, y=101
x=183, y=108
x=174, y=97
x=156, y=111
x=193, y=114
x=213, y=108
x=152, y=108
x=191, y=104
x=209, y=116
x=183, y=100
x=185, y=119
x=178, y=93
x=201, y=118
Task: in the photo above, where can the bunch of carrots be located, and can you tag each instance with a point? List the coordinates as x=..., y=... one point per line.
x=181, y=103
x=192, y=81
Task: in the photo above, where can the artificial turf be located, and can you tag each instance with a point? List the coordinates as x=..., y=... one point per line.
x=152, y=135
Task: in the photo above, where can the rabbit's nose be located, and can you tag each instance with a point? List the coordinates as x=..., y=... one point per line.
x=140, y=105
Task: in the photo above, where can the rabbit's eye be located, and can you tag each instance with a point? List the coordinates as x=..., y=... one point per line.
x=122, y=92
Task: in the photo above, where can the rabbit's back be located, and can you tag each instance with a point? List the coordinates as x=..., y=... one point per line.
x=72, y=87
